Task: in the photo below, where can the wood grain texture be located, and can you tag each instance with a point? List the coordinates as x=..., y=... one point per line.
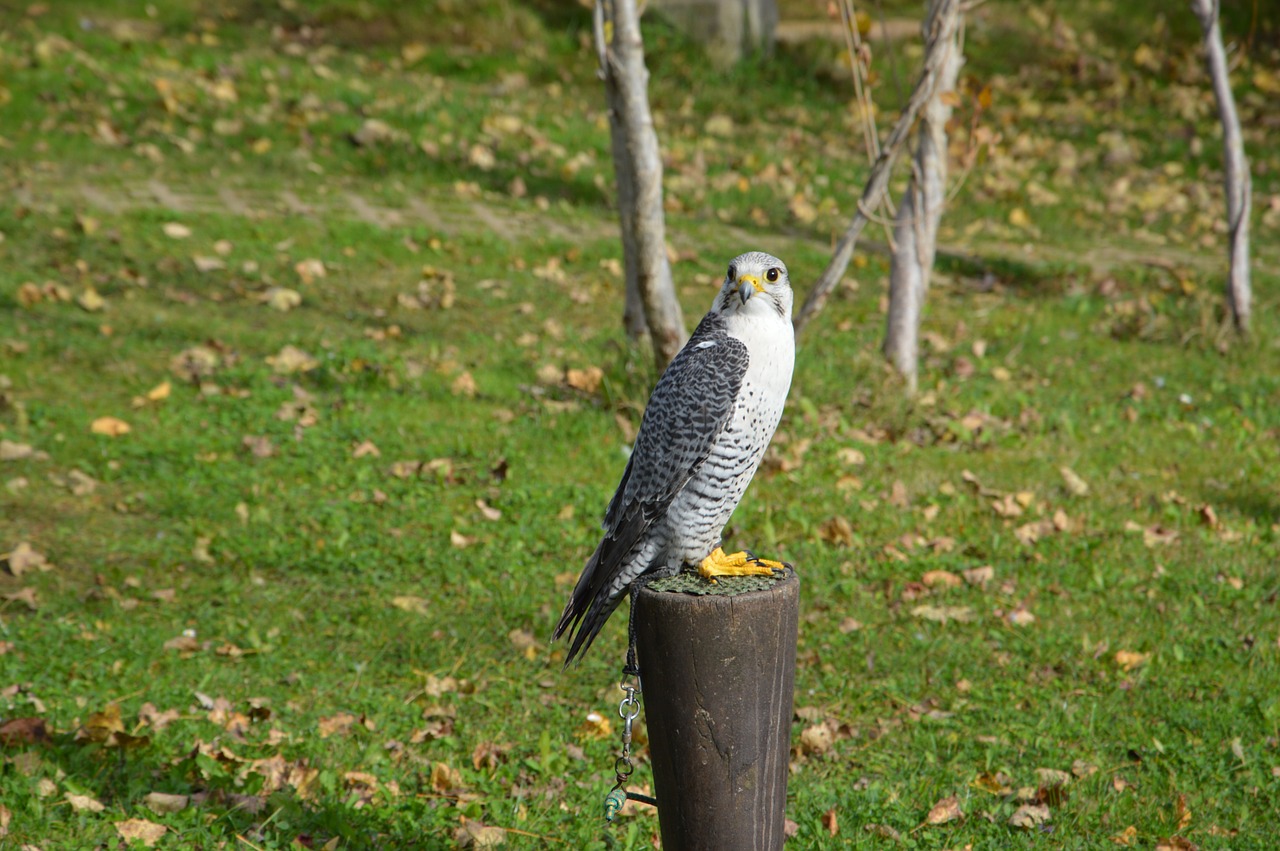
x=719, y=677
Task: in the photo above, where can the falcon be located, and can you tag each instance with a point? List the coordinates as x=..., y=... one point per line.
x=704, y=431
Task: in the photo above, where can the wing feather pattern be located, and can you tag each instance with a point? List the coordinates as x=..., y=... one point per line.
x=685, y=415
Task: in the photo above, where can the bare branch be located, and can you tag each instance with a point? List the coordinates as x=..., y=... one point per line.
x=943, y=31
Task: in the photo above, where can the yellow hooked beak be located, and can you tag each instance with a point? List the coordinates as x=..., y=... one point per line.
x=749, y=285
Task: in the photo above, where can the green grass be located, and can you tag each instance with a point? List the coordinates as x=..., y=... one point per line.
x=314, y=583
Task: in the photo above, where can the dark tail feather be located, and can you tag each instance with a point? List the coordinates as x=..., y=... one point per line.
x=591, y=603
x=587, y=609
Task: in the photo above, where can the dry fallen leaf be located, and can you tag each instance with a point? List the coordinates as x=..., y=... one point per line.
x=473, y=834
x=175, y=230
x=1129, y=659
x=1126, y=837
x=409, y=603
x=146, y=832
x=587, y=380
x=84, y=802
x=940, y=579
x=1029, y=815
x=1076, y=485
x=292, y=359
x=109, y=426
x=464, y=385
x=830, y=822
x=282, y=299
x=309, y=270
x=948, y=809
x=90, y=301
x=816, y=739
x=23, y=559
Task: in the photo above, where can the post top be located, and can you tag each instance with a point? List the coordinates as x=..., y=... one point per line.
x=692, y=582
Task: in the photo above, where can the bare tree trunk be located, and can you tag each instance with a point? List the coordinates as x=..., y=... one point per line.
x=915, y=232
x=944, y=23
x=638, y=166
x=1235, y=166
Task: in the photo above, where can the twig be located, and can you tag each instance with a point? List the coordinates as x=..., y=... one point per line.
x=878, y=181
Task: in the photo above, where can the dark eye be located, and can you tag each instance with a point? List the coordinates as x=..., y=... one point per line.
x=771, y=276
x=733, y=274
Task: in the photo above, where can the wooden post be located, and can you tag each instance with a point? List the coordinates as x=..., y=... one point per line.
x=718, y=664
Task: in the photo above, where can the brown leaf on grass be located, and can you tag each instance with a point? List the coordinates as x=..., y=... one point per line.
x=488, y=511
x=11, y=451
x=1176, y=843
x=26, y=596
x=587, y=380
x=405, y=469
x=979, y=575
x=523, y=639
x=488, y=755
x=830, y=823
x=291, y=359
x=281, y=299
x=259, y=445
x=140, y=830
x=23, y=559
x=176, y=230
x=464, y=385
x=1082, y=769
x=595, y=726
x=1129, y=659
x=1153, y=535
x=816, y=739
x=1021, y=617
x=942, y=614
x=1028, y=816
x=194, y=363
x=1008, y=506
x=473, y=834
x=156, y=718
x=309, y=270
x=84, y=803
x=109, y=426
x=411, y=604
x=940, y=579
x=23, y=731
x=836, y=530
x=365, y=447
x=90, y=301
x=1183, y=812
x=459, y=540
x=336, y=725
x=445, y=779
x=1126, y=837
x=183, y=644
x=898, y=494
x=1075, y=485
x=946, y=810
x=1029, y=533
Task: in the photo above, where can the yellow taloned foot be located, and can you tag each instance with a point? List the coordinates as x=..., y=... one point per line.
x=720, y=563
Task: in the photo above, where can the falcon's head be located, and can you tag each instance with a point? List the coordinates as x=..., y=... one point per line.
x=756, y=284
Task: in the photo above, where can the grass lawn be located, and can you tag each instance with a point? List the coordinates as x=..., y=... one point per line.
x=313, y=390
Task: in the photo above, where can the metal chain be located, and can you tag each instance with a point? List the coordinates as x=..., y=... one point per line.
x=623, y=767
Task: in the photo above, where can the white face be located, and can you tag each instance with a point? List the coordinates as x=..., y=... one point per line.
x=756, y=283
